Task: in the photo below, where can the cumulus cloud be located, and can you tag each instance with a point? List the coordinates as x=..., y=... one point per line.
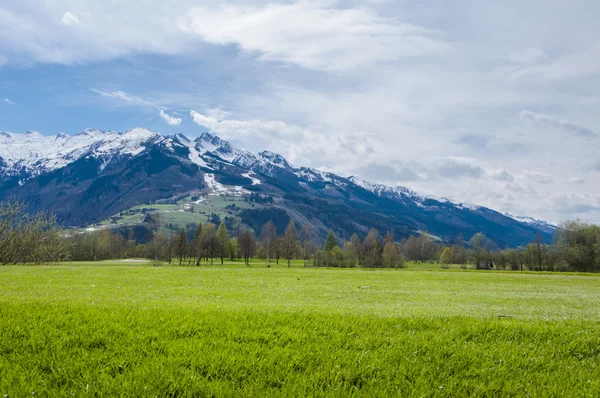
x=313, y=34
x=253, y=129
x=173, y=121
x=545, y=121
x=70, y=19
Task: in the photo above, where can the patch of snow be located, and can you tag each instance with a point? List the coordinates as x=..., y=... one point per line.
x=255, y=181
x=531, y=221
x=218, y=189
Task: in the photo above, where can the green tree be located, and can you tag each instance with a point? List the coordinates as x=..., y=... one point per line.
x=233, y=248
x=446, y=257
x=222, y=240
x=330, y=242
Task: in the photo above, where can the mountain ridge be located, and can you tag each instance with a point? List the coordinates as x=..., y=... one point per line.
x=115, y=163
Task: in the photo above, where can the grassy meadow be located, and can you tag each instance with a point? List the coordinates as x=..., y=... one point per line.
x=131, y=329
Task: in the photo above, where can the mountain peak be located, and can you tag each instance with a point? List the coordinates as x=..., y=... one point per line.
x=275, y=159
x=211, y=143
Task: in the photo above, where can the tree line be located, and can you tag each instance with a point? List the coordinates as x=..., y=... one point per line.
x=37, y=238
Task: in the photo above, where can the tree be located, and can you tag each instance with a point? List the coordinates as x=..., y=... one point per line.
x=289, y=242
x=182, y=245
x=330, y=242
x=268, y=236
x=372, y=249
x=233, y=248
x=446, y=257
x=392, y=257
x=578, y=245
x=27, y=238
x=356, y=245
x=221, y=239
x=156, y=249
x=247, y=244
x=197, y=244
x=350, y=254
x=477, y=243
x=208, y=240
x=306, y=243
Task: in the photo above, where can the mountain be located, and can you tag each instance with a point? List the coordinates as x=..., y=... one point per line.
x=94, y=175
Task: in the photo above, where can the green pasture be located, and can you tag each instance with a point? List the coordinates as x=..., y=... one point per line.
x=183, y=212
x=131, y=329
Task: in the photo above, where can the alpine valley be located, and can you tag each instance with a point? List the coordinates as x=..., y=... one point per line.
x=105, y=179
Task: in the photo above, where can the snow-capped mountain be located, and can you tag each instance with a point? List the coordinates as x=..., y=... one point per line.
x=32, y=154
x=538, y=224
x=95, y=174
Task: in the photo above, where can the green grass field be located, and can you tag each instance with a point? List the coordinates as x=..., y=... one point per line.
x=121, y=329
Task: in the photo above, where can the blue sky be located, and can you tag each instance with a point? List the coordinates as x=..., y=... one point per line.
x=495, y=104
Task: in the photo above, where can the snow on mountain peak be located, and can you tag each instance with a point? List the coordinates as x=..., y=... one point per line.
x=275, y=159
x=34, y=153
x=211, y=143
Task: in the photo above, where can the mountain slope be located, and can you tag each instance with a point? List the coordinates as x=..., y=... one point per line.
x=94, y=175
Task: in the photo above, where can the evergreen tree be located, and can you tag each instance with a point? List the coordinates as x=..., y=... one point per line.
x=330, y=242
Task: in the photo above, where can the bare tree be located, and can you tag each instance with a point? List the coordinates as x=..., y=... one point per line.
x=267, y=237
x=26, y=238
x=289, y=242
x=247, y=245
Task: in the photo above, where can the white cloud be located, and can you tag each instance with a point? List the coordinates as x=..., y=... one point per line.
x=354, y=86
x=313, y=34
x=33, y=32
x=545, y=121
x=123, y=97
x=8, y=101
x=576, y=180
x=502, y=175
x=248, y=130
x=70, y=19
x=173, y=121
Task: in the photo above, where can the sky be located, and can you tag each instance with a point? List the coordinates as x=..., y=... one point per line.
x=493, y=103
